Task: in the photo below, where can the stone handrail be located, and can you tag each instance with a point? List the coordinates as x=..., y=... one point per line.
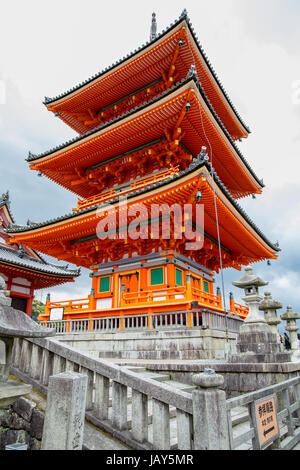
x=118, y=399
x=108, y=384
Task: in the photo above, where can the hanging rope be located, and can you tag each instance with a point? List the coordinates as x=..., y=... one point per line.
x=217, y=223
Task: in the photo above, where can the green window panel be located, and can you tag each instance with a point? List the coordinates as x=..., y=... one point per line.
x=205, y=286
x=157, y=276
x=105, y=284
x=178, y=277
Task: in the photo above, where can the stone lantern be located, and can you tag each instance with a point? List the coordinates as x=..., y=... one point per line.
x=291, y=326
x=270, y=306
x=256, y=342
x=251, y=283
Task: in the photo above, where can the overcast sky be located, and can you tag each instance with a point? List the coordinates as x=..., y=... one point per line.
x=49, y=47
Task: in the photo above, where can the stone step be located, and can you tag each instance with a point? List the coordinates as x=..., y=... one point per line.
x=181, y=386
x=96, y=439
x=134, y=368
x=239, y=415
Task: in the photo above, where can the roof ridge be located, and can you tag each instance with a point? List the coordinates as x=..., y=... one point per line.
x=182, y=17
x=192, y=75
x=197, y=162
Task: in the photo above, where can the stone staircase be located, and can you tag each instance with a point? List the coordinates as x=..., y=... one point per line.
x=239, y=415
x=159, y=377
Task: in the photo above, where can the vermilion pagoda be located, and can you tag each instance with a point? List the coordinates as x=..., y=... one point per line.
x=144, y=124
x=22, y=268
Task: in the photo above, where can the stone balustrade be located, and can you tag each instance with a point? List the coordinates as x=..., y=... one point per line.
x=147, y=414
x=134, y=409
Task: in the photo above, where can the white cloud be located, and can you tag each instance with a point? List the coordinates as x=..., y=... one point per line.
x=253, y=46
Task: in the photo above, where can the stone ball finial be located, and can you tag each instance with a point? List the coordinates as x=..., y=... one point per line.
x=208, y=379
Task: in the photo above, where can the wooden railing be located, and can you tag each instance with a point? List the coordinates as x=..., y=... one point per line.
x=134, y=185
x=69, y=305
x=153, y=296
x=114, y=324
x=163, y=294
x=206, y=298
x=239, y=309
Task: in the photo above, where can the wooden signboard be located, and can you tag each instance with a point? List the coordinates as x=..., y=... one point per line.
x=266, y=421
x=56, y=314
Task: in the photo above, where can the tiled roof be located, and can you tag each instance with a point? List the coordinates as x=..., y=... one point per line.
x=10, y=255
x=183, y=16
x=197, y=163
x=190, y=76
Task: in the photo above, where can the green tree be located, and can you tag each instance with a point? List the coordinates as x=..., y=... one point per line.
x=37, y=309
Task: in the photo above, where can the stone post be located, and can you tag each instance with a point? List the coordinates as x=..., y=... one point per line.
x=291, y=326
x=269, y=307
x=65, y=412
x=210, y=412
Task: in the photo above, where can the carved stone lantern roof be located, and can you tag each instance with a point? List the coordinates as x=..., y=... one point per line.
x=290, y=314
x=249, y=279
x=269, y=303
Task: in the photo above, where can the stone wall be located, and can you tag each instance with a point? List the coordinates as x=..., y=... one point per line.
x=238, y=378
x=21, y=423
x=182, y=344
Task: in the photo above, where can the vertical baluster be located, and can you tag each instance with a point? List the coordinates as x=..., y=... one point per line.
x=160, y=425
x=69, y=365
x=297, y=398
x=16, y=352
x=35, y=362
x=46, y=367
x=184, y=430
x=25, y=356
x=90, y=385
x=58, y=364
x=139, y=416
x=119, y=405
x=286, y=401
x=101, y=396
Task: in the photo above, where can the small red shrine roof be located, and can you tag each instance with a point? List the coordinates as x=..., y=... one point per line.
x=15, y=257
x=200, y=126
x=143, y=67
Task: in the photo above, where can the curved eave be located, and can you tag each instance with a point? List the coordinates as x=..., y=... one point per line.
x=37, y=272
x=39, y=162
x=56, y=103
x=194, y=171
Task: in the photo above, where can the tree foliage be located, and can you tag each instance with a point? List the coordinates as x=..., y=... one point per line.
x=37, y=309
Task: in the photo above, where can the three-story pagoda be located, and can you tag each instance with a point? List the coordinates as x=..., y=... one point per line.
x=144, y=126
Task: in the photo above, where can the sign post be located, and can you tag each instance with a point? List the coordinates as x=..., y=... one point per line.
x=265, y=415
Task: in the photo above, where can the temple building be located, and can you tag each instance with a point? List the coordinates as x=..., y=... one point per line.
x=155, y=129
x=23, y=269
